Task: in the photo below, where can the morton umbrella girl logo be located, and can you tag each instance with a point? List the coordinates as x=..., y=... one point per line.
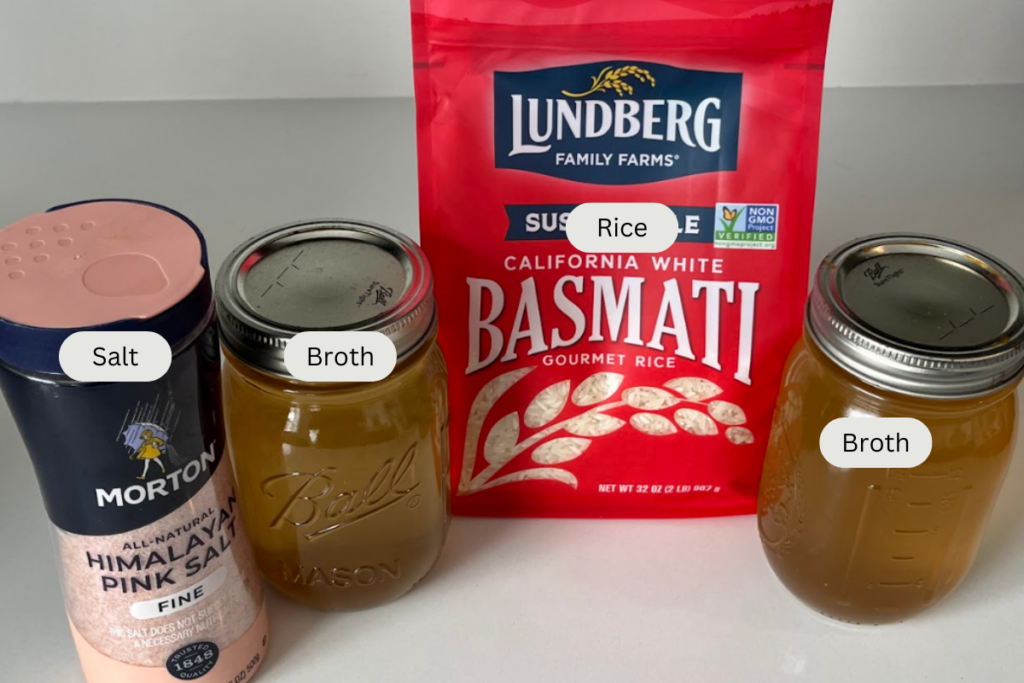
x=149, y=442
x=145, y=437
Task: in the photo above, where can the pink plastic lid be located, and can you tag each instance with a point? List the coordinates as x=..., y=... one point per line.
x=96, y=263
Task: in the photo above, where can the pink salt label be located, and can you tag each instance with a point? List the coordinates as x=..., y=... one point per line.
x=237, y=662
x=96, y=263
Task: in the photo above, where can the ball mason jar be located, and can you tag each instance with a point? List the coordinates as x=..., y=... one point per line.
x=896, y=326
x=346, y=483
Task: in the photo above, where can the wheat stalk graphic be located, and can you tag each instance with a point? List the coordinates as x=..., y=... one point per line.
x=502, y=443
x=615, y=79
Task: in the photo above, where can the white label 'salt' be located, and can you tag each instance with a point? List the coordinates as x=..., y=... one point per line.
x=169, y=604
x=877, y=442
x=340, y=356
x=622, y=228
x=115, y=356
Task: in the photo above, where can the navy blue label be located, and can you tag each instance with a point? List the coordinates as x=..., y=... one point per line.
x=617, y=122
x=528, y=222
x=112, y=458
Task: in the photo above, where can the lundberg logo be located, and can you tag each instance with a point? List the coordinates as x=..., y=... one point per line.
x=617, y=123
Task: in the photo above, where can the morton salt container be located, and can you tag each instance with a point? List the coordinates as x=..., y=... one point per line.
x=160, y=583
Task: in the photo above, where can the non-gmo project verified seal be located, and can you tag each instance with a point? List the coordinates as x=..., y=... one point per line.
x=746, y=226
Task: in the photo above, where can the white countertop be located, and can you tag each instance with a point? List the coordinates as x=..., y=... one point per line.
x=538, y=600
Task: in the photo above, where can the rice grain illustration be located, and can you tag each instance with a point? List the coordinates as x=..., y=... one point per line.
x=574, y=434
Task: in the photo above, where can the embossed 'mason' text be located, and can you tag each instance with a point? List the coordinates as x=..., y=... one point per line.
x=317, y=503
x=341, y=577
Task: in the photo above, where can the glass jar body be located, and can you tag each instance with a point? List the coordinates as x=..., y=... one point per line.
x=877, y=545
x=347, y=484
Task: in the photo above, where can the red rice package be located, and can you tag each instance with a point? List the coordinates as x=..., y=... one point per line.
x=625, y=385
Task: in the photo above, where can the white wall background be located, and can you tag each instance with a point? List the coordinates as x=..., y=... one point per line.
x=97, y=50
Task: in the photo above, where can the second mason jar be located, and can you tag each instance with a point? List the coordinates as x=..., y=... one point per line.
x=898, y=326
x=345, y=485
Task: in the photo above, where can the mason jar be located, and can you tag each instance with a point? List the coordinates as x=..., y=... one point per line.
x=896, y=326
x=346, y=483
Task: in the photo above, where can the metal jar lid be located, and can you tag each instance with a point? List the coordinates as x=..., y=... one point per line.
x=920, y=315
x=323, y=275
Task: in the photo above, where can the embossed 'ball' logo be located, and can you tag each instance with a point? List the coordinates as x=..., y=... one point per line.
x=321, y=503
